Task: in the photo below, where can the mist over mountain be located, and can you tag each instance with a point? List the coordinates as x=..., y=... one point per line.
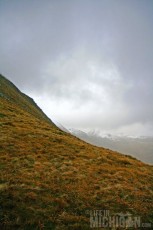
x=138, y=147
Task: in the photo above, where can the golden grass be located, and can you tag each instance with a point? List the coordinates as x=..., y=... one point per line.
x=48, y=178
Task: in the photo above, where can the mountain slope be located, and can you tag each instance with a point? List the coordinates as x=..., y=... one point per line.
x=11, y=93
x=49, y=179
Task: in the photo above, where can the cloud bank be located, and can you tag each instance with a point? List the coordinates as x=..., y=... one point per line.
x=88, y=64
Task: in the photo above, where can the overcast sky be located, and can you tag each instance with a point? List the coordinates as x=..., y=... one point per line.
x=87, y=63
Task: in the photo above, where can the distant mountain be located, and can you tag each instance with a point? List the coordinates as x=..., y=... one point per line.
x=50, y=179
x=139, y=147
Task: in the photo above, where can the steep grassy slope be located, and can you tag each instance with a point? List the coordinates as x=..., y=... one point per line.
x=49, y=179
x=11, y=93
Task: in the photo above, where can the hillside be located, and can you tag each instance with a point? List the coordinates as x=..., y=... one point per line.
x=10, y=92
x=52, y=180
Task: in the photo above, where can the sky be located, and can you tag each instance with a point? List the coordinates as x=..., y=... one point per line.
x=87, y=63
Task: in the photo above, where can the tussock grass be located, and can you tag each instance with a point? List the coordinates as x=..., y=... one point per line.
x=48, y=178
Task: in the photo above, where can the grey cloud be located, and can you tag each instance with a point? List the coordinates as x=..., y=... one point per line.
x=95, y=57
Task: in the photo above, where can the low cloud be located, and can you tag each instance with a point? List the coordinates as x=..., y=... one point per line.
x=88, y=64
